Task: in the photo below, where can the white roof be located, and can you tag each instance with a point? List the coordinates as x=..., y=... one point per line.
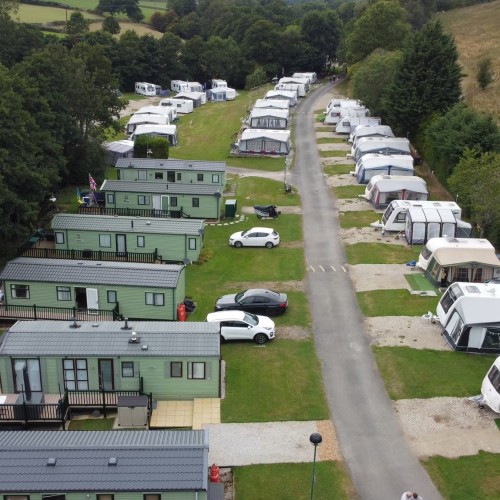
x=379, y=160
x=287, y=93
x=255, y=133
x=387, y=183
x=279, y=113
x=153, y=110
x=147, y=118
x=371, y=130
x=272, y=103
x=155, y=129
x=190, y=95
x=291, y=79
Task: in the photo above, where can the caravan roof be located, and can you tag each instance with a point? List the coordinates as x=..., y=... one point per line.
x=383, y=145
x=385, y=183
x=272, y=103
x=255, y=133
x=372, y=160
x=290, y=96
x=153, y=110
x=343, y=103
x=370, y=131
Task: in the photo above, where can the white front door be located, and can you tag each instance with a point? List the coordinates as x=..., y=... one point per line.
x=121, y=244
x=92, y=298
x=157, y=202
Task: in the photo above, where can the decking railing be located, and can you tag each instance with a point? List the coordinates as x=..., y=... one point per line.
x=134, y=212
x=59, y=253
x=58, y=313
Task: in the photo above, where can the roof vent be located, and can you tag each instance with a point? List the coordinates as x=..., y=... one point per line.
x=134, y=339
x=95, y=325
x=144, y=347
x=148, y=223
x=51, y=461
x=112, y=461
x=74, y=324
x=125, y=326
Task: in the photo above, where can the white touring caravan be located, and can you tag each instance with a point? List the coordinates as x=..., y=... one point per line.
x=145, y=119
x=382, y=189
x=335, y=115
x=446, y=260
x=274, y=119
x=347, y=124
x=290, y=96
x=217, y=84
x=167, y=131
x=394, y=217
x=373, y=164
x=363, y=130
x=422, y=224
x=182, y=106
x=294, y=87
x=382, y=145
x=301, y=81
x=310, y=75
x=178, y=85
x=343, y=103
x=470, y=316
x=168, y=111
x=146, y=89
x=220, y=94
x=490, y=388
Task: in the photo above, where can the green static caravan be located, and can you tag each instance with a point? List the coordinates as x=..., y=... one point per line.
x=210, y=173
x=170, y=360
x=134, y=290
x=199, y=201
x=173, y=240
x=105, y=465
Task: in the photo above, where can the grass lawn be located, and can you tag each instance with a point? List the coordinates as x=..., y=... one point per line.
x=91, y=424
x=380, y=253
x=338, y=169
x=259, y=385
x=330, y=140
x=423, y=373
x=286, y=481
x=323, y=129
x=332, y=154
x=36, y=14
x=260, y=191
x=223, y=264
x=265, y=163
x=466, y=477
x=344, y=192
x=355, y=218
x=395, y=303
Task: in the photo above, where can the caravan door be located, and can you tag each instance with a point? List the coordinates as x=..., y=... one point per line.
x=92, y=299
x=121, y=244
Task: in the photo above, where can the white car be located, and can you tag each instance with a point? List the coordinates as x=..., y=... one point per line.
x=255, y=237
x=240, y=325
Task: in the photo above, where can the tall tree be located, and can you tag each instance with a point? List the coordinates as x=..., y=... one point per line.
x=129, y=7
x=383, y=25
x=476, y=182
x=427, y=80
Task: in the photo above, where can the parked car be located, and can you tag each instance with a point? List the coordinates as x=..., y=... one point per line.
x=255, y=237
x=240, y=325
x=255, y=300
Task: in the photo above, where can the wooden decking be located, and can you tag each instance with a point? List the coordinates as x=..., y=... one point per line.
x=186, y=414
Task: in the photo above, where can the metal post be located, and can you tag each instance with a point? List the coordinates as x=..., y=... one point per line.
x=315, y=439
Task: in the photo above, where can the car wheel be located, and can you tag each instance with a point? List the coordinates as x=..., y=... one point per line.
x=238, y=244
x=259, y=216
x=269, y=244
x=260, y=338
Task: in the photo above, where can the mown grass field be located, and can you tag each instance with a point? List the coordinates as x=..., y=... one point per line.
x=287, y=481
x=395, y=303
x=381, y=253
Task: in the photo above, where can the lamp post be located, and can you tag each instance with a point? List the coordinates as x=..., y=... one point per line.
x=315, y=439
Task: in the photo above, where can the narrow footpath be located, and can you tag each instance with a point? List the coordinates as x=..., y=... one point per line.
x=381, y=463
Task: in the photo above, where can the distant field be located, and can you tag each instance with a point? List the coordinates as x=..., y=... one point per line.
x=477, y=35
x=42, y=15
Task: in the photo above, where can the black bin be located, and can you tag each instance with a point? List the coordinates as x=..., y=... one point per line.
x=230, y=208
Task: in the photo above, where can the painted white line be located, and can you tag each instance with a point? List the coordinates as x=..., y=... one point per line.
x=334, y=270
x=312, y=269
x=343, y=269
x=322, y=268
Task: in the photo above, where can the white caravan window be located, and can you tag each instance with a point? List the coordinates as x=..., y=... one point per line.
x=33, y=367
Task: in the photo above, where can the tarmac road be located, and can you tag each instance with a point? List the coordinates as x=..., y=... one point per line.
x=371, y=440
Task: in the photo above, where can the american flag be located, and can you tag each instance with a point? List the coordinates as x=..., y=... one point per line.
x=92, y=183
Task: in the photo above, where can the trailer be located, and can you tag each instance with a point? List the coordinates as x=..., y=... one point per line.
x=343, y=103
x=369, y=130
x=347, y=124
x=394, y=217
x=168, y=111
x=301, y=81
x=146, y=89
x=272, y=103
x=182, y=106
x=294, y=87
x=145, y=119
x=470, y=316
x=310, y=75
x=288, y=95
x=382, y=145
x=490, y=388
x=335, y=115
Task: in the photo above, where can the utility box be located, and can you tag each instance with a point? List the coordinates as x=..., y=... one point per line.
x=230, y=208
x=132, y=411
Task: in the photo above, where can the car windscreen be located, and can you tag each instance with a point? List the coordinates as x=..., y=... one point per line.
x=239, y=296
x=251, y=319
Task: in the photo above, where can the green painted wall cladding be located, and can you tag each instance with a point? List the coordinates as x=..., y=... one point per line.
x=169, y=246
x=155, y=372
x=209, y=205
x=132, y=300
x=215, y=178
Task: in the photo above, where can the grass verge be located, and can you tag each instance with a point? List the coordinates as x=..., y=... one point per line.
x=467, y=477
x=338, y=169
x=395, y=303
x=330, y=140
x=286, y=481
x=332, y=154
x=259, y=191
x=423, y=373
x=345, y=192
x=355, y=218
x=259, y=386
x=380, y=253
x=92, y=424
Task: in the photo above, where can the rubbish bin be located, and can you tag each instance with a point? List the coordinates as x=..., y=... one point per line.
x=230, y=208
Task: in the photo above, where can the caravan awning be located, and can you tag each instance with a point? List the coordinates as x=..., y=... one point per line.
x=456, y=256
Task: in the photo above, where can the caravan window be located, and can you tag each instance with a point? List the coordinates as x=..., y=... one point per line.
x=387, y=213
x=170, y=176
x=426, y=253
x=450, y=297
x=494, y=377
x=491, y=338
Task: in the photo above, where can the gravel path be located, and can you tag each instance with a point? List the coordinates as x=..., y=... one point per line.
x=269, y=442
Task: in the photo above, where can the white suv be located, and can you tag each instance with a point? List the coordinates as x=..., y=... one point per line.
x=255, y=237
x=239, y=325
